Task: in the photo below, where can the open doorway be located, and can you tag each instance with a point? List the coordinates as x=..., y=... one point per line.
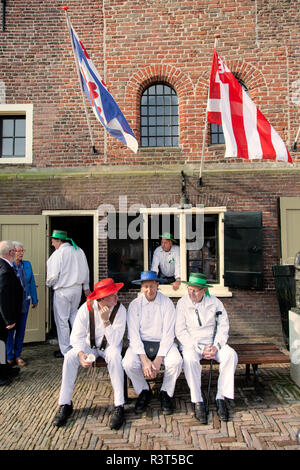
x=81, y=229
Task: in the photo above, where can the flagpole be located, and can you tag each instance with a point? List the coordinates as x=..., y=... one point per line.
x=295, y=141
x=200, y=182
x=94, y=151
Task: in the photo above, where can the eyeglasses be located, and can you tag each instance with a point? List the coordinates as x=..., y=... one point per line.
x=198, y=317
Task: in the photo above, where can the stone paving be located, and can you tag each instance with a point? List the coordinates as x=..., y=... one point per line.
x=268, y=420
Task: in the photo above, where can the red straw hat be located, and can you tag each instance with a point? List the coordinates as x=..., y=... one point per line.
x=105, y=288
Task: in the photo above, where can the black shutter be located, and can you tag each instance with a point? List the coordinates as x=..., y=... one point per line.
x=243, y=257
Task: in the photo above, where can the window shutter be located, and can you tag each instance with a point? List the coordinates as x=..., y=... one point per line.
x=243, y=260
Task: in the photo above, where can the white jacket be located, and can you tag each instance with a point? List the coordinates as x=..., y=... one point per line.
x=187, y=329
x=151, y=321
x=67, y=267
x=80, y=335
x=167, y=261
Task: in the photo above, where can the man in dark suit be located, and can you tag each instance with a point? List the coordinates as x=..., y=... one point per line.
x=11, y=296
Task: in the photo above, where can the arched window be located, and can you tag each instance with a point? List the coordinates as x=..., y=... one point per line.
x=216, y=130
x=159, y=116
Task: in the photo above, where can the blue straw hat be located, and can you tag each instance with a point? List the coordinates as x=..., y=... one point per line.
x=149, y=276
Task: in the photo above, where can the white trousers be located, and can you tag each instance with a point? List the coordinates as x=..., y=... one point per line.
x=113, y=359
x=227, y=359
x=65, y=306
x=173, y=366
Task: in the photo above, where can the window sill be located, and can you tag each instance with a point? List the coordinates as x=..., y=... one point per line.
x=160, y=149
x=217, y=291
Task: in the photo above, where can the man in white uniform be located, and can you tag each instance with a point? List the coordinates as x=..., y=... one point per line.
x=166, y=260
x=195, y=327
x=108, y=327
x=151, y=323
x=67, y=274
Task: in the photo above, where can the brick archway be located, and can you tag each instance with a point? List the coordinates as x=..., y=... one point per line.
x=153, y=74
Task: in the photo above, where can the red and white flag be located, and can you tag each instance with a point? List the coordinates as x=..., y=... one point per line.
x=247, y=132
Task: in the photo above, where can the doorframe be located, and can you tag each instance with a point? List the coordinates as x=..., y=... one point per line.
x=74, y=213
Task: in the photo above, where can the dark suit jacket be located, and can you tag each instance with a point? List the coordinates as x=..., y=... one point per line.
x=11, y=296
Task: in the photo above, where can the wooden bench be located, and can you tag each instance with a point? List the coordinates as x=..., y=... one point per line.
x=248, y=354
x=256, y=354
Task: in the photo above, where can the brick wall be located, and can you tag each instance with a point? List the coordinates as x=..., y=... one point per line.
x=134, y=43
x=252, y=313
x=141, y=42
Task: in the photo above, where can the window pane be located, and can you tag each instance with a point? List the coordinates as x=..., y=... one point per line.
x=20, y=147
x=144, y=100
x=144, y=131
x=20, y=128
x=174, y=99
x=160, y=112
x=144, y=142
x=160, y=142
x=7, y=147
x=214, y=139
x=8, y=127
x=144, y=121
x=168, y=141
x=203, y=260
x=175, y=141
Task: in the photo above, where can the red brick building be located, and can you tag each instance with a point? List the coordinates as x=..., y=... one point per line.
x=143, y=49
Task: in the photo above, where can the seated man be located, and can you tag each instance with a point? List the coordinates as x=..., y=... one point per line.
x=110, y=326
x=151, y=322
x=196, y=323
x=166, y=260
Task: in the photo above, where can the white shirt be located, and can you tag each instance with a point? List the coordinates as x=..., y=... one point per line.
x=67, y=267
x=167, y=261
x=151, y=321
x=80, y=335
x=190, y=333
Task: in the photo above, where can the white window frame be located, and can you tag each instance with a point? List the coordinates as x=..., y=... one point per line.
x=219, y=290
x=27, y=111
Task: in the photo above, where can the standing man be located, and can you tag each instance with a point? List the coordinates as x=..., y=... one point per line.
x=107, y=330
x=151, y=323
x=16, y=336
x=67, y=274
x=166, y=260
x=195, y=326
x=11, y=298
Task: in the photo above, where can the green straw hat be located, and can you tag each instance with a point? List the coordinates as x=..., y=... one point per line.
x=62, y=235
x=197, y=280
x=168, y=236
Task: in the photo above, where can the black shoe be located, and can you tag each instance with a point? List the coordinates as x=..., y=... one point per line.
x=200, y=412
x=143, y=400
x=222, y=410
x=13, y=371
x=166, y=403
x=58, y=354
x=62, y=415
x=5, y=381
x=8, y=372
x=117, y=418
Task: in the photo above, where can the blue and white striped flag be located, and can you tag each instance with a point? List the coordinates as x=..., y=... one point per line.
x=104, y=106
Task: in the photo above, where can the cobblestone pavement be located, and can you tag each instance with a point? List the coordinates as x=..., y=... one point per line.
x=265, y=421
